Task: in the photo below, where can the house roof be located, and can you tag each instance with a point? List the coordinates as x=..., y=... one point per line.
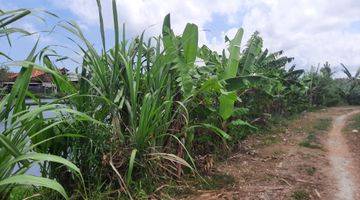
x=34, y=74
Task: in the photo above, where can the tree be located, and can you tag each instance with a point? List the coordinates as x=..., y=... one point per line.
x=3, y=73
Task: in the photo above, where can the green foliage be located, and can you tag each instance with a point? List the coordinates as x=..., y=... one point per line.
x=351, y=87
x=310, y=170
x=144, y=107
x=3, y=73
x=323, y=124
x=322, y=88
x=320, y=125
x=300, y=194
x=354, y=123
x=26, y=129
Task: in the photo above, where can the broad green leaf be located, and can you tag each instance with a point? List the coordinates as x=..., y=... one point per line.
x=168, y=36
x=234, y=57
x=243, y=82
x=190, y=43
x=251, y=52
x=227, y=100
x=240, y=123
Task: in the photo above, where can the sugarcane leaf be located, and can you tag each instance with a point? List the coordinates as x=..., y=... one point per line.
x=37, y=181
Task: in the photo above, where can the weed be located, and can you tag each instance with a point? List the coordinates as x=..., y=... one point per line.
x=354, y=123
x=213, y=182
x=322, y=124
x=310, y=145
x=310, y=170
x=270, y=139
x=300, y=195
x=310, y=142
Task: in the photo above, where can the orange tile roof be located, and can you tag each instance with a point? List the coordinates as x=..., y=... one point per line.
x=12, y=75
x=35, y=73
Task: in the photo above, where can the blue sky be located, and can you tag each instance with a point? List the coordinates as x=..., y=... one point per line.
x=312, y=31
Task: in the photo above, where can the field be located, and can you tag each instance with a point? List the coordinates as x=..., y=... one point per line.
x=153, y=117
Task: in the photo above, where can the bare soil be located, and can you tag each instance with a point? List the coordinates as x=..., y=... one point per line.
x=283, y=166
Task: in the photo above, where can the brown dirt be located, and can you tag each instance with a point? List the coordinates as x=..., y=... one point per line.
x=343, y=166
x=275, y=166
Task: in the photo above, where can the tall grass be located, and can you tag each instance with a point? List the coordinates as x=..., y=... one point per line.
x=141, y=109
x=26, y=130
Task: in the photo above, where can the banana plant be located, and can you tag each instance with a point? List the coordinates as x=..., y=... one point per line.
x=354, y=80
x=183, y=52
x=234, y=73
x=351, y=89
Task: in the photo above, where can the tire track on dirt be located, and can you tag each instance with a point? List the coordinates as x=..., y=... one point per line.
x=342, y=165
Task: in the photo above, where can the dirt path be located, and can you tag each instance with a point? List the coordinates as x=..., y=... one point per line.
x=308, y=158
x=343, y=167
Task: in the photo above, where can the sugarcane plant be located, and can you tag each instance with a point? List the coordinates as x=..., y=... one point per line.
x=25, y=129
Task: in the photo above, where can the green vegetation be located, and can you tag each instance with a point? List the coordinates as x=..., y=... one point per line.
x=310, y=142
x=351, y=88
x=319, y=126
x=323, y=90
x=300, y=195
x=322, y=124
x=354, y=123
x=144, y=109
x=310, y=171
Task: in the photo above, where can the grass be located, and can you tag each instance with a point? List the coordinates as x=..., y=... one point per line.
x=354, y=123
x=300, y=194
x=213, y=182
x=319, y=126
x=310, y=170
x=322, y=124
x=270, y=139
x=21, y=192
x=310, y=142
x=310, y=145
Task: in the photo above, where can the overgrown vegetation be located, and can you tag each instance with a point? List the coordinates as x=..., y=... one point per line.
x=144, y=110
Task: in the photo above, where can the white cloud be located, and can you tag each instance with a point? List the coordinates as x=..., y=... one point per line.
x=312, y=31
x=139, y=14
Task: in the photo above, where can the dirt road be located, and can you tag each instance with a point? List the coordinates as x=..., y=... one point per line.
x=309, y=158
x=343, y=167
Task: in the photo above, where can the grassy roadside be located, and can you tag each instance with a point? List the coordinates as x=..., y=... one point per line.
x=353, y=124
x=320, y=126
x=215, y=180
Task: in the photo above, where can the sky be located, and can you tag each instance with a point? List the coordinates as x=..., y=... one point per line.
x=311, y=31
